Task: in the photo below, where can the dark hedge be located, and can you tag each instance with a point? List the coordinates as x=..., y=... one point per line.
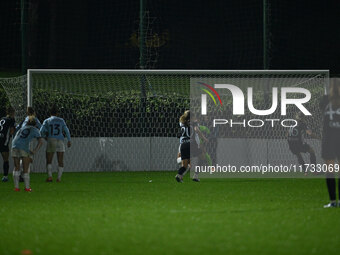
x=115, y=115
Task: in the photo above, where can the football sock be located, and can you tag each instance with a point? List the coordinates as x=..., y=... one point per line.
x=60, y=172
x=181, y=170
x=16, y=176
x=331, y=188
x=6, y=168
x=179, y=160
x=49, y=170
x=27, y=180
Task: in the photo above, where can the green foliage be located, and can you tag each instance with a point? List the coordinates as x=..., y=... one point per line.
x=4, y=102
x=114, y=114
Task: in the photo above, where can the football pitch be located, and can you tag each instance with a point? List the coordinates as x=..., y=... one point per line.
x=127, y=213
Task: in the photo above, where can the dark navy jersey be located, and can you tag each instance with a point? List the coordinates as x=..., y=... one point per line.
x=6, y=123
x=297, y=133
x=331, y=119
x=187, y=132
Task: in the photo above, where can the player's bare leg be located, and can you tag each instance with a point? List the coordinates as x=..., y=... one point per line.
x=21, y=178
x=16, y=173
x=330, y=181
x=26, y=163
x=29, y=166
x=60, y=157
x=49, y=158
x=179, y=160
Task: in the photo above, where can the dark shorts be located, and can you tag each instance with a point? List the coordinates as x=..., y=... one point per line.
x=187, y=150
x=330, y=149
x=298, y=147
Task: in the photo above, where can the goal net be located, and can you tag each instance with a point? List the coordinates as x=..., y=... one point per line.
x=128, y=120
x=253, y=114
x=16, y=91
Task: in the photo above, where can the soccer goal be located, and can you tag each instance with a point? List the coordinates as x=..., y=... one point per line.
x=127, y=120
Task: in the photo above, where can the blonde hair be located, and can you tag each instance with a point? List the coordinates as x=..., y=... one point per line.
x=185, y=118
x=31, y=121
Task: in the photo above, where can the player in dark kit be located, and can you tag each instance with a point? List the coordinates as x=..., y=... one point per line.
x=330, y=148
x=7, y=129
x=296, y=142
x=190, y=134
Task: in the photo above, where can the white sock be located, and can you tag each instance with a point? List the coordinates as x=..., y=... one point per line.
x=27, y=180
x=179, y=160
x=60, y=172
x=16, y=176
x=49, y=170
x=21, y=168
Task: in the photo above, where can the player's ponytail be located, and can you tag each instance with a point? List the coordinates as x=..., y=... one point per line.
x=31, y=121
x=185, y=118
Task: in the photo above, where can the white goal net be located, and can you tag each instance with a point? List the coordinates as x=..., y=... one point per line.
x=122, y=120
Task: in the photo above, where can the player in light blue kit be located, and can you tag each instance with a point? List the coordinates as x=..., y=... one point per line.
x=21, y=151
x=30, y=113
x=53, y=129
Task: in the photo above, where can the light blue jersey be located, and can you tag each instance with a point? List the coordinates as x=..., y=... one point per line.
x=53, y=127
x=24, y=123
x=24, y=136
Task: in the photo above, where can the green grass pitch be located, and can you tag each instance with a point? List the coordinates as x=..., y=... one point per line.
x=124, y=213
